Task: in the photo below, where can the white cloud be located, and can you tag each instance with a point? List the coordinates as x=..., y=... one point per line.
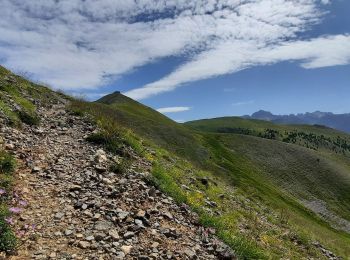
x=85, y=44
x=236, y=56
x=165, y=110
x=243, y=103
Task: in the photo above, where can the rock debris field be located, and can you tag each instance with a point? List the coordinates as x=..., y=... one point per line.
x=73, y=207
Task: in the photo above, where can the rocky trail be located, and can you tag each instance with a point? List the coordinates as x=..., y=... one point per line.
x=73, y=207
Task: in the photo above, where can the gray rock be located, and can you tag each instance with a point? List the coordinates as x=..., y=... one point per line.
x=128, y=235
x=103, y=225
x=84, y=244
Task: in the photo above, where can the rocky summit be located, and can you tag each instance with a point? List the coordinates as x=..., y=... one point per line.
x=75, y=207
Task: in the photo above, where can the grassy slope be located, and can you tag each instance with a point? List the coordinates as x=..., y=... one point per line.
x=154, y=126
x=212, y=125
x=18, y=97
x=305, y=173
x=240, y=163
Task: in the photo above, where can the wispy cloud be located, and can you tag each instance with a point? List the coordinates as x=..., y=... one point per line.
x=85, y=44
x=240, y=55
x=243, y=103
x=88, y=95
x=173, y=109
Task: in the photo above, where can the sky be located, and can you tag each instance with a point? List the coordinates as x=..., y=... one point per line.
x=187, y=59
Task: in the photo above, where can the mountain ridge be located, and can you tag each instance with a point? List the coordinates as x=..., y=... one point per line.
x=337, y=121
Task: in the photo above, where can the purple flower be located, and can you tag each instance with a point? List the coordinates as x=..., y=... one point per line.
x=15, y=210
x=23, y=203
x=20, y=233
x=2, y=191
x=9, y=221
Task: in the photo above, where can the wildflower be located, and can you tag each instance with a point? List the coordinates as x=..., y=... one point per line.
x=15, y=210
x=23, y=203
x=20, y=233
x=9, y=221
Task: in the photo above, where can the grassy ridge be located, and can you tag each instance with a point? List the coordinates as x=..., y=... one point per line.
x=317, y=173
x=154, y=126
x=18, y=98
x=212, y=125
x=248, y=203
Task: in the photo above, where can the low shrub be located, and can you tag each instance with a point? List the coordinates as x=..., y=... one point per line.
x=111, y=142
x=7, y=163
x=121, y=167
x=29, y=119
x=8, y=241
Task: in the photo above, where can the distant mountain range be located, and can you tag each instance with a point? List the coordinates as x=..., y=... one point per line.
x=337, y=121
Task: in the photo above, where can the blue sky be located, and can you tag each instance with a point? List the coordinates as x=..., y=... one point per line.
x=189, y=59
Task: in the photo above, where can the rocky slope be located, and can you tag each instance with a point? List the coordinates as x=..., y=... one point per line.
x=72, y=206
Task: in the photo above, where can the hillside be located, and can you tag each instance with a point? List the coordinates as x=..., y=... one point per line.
x=336, y=121
x=203, y=179
x=64, y=195
x=154, y=126
x=309, y=162
x=115, y=178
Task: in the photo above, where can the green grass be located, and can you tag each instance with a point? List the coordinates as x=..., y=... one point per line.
x=8, y=241
x=215, y=124
x=151, y=125
x=19, y=98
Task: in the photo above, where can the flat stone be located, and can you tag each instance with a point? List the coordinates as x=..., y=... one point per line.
x=89, y=238
x=114, y=234
x=190, y=253
x=59, y=215
x=128, y=235
x=103, y=225
x=68, y=232
x=36, y=169
x=139, y=222
x=168, y=215
x=126, y=249
x=122, y=215
x=84, y=244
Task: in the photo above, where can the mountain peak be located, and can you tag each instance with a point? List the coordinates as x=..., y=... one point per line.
x=337, y=121
x=263, y=115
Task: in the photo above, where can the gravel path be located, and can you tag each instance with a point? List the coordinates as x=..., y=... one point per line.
x=77, y=209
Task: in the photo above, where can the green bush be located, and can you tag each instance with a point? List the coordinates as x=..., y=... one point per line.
x=7, y=163
x=121, y=167
x=29, y=119
x=111, y=142
x=8, y=241
x=7, y=238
